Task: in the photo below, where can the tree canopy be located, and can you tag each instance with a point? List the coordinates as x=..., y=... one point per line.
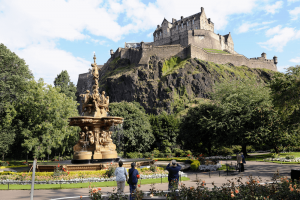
x=165, y=128
x=67, y=87
x=42, y=120
x=14, y=77
x=136, y=126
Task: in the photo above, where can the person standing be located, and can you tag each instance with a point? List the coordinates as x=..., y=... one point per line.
x=173, y=176
x=243, y=162
x=239, y=161
x=133, y=179
x=121, y=175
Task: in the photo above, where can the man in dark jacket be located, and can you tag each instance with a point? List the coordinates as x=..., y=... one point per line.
x=173, y=176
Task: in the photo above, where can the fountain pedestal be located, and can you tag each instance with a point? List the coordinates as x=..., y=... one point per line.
x=96, y=129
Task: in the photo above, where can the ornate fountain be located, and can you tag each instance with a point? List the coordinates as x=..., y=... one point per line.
x=95, y=143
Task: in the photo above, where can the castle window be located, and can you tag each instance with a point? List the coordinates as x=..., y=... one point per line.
x=176, y=27
x=159, y=33
x=196, y=27
x=187, y=23
x=156, y=34
x=193, y=21
x=181, y=25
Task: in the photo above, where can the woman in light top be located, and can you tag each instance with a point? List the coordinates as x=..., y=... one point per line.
x=121, y=175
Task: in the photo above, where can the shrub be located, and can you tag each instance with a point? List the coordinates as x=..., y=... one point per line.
x=147, y=155
x=250, y=149
x=153, y=168
x=110, y=171
x=224, y=151
x=290, y=157
x=161, y=155
x=195, y=165
x=236, y=148
x=188, y=153
x=155, y=153
x=167, y=150
x=179, y=152
x=4, y=163
x=133, y=155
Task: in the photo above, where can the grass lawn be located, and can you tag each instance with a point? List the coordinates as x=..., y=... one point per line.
x=81, y=185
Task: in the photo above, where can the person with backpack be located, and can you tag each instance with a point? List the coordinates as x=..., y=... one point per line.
x=133, y=179
x=121, y=175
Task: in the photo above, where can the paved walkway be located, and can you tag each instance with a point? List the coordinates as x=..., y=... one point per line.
x=263, y=170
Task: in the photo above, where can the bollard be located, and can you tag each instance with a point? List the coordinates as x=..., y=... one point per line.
x=60, y=184
x=8, y=185
x=161, y=179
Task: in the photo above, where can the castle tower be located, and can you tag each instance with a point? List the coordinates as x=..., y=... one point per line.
x=275, y=60
x=264, y=55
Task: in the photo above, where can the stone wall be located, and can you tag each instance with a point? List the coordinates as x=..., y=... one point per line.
x=235, y=59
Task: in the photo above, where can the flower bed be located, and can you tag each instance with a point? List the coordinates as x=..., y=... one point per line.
x=75, y=177
x=218, y=158
x=283, y=159
x=210, y=167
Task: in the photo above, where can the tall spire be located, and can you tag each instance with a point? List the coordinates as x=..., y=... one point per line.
x=94, y=58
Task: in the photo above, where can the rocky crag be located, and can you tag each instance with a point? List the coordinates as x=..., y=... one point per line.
x=171, y=85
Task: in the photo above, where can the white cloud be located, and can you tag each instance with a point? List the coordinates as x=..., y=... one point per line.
x=274, y=8
x=295, y=60
x=150, y=35
x=292, y=1
x=33, y=28
x=295, y=13
x=281, y=36
x=282, y=68
x=46, y=61
x=247, y=25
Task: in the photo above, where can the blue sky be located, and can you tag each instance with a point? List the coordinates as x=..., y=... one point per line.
x=56, y=35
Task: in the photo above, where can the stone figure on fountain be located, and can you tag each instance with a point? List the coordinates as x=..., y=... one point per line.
x=95, y=141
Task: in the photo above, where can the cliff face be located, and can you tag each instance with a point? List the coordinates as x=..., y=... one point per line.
x=170, y=85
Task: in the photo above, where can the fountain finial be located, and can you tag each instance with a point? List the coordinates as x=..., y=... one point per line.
x=94, y=58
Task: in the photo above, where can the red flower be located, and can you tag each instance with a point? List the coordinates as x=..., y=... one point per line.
x=139, y=185
x=68, y=173
x=138, y=176
x=99, y=189
x=111, y=163
x=58, y=164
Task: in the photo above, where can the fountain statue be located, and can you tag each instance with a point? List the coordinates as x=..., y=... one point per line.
x=95, y=143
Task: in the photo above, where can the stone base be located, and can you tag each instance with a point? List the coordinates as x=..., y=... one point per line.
x=82, y=155
x=109, y=154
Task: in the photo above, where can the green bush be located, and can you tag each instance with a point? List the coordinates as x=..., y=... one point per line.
x=134, y=155
x=250, y=149
x=236, y=148
x=167, y=150
x=179, y=152
x=290, y=157
x=4, y=163
x=161, y=155
x=147, y=155
x=110, y=171
x=188, y=153
x=195, y=165
x=153, y=168
x=155, y=153
x=224, y=151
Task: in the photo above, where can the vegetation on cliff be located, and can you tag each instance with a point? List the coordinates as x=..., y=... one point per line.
x=171, y=85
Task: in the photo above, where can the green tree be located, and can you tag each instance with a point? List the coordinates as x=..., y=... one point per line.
x=285, y=92
x=63, y=81
x=201, y=128
x=42, y=120
x=136, y=126
x=14, y=77
x=165, y=129
x=239, y=100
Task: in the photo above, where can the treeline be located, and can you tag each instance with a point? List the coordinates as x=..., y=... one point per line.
x=34, y=115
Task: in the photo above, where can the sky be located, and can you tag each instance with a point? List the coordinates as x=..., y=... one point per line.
x=56, y=35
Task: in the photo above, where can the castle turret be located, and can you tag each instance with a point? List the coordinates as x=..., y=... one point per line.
x=264, y=55
x=111, y=53
x=181, y=18
x=275, y=60
x=202, y=9
x=173, y=21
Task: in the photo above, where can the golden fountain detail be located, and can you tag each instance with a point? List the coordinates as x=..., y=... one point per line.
x=95, y=143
